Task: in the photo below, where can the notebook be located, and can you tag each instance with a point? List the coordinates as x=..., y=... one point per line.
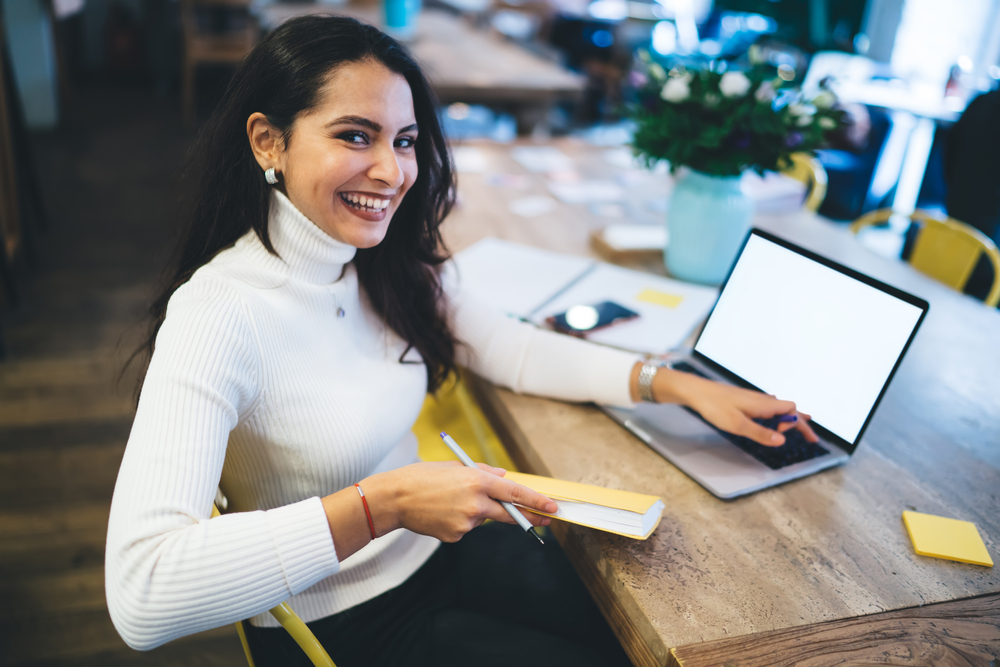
x=625, y=513
x=792, y=323
x=533, y=284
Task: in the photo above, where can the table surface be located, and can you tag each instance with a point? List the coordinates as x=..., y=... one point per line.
x=828, y=547
x=461, y=62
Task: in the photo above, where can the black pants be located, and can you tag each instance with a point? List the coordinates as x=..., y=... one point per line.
x=496, y=597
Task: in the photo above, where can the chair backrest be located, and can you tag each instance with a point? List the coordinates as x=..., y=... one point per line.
x=808, y=170
x=289, y=620
x=945, y=249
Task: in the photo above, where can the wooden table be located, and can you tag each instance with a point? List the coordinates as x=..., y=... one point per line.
x=819, y=571
x=463, y=64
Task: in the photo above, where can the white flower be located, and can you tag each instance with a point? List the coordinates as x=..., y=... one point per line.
x=802, y=112
x=712, y=100
x=827, y=123
x=824, y=100
x=677, y=89
x=734, y=84
x=765, y=92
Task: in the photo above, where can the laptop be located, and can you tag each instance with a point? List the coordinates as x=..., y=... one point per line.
x=804, y=328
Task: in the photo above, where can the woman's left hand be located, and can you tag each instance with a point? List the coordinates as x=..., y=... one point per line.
x=731, y=409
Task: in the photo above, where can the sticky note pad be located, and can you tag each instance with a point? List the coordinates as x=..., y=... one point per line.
x=946, y=538
x=660, y=298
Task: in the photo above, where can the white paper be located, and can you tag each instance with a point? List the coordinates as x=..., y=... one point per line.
x=587, y=192
x=635, y=237
x=657, y=329
x=541, y=158
x=529, y=207
x=516, y=278
x=469, y=160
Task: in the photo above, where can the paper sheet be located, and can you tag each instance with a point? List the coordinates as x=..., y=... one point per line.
x=516, y=278
x=541, y=158
x=469, y=160
x=587, y=192
x=529, y=207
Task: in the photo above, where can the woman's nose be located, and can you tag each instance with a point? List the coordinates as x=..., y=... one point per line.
x=387, y=168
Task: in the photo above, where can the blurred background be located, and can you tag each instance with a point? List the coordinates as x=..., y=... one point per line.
x=101, y=99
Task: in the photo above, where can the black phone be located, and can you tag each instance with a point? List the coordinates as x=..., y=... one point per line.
x=581, y=320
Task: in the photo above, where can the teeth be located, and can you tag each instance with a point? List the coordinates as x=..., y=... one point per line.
x=367, y=202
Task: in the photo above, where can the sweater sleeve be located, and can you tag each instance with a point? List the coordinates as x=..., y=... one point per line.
x=170, y=569
x=529, y=360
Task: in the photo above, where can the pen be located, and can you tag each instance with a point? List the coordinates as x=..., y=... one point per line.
x=511, y=510
x=788, y=418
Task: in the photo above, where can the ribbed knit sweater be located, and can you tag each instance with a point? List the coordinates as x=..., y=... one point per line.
x=258, y=388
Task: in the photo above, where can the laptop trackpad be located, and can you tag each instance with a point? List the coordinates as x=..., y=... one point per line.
x=692, y=443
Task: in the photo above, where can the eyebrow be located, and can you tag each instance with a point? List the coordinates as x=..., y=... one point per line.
x=365, y=122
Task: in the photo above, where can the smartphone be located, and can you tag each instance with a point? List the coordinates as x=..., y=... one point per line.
x=581, y=320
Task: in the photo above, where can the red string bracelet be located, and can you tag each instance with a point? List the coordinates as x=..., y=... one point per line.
x=364, y=501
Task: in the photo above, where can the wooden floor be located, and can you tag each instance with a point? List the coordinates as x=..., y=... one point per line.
x=109, y=179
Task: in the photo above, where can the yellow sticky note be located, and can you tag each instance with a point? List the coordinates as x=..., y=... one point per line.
x=660, y=298
x=950, y=539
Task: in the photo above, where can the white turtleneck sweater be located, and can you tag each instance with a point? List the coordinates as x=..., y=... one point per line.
x=257, y=387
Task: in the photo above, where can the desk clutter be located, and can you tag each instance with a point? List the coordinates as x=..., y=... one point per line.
x=535, y=284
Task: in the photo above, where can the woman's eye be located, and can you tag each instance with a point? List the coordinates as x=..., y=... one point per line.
x=405, y=142
x=356, y=138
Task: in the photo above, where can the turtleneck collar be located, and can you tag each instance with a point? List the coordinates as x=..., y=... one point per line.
x=307, y=253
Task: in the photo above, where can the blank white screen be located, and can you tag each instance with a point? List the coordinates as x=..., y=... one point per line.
x=807, y=333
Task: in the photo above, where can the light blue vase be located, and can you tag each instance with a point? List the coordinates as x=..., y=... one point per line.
x=707, y=219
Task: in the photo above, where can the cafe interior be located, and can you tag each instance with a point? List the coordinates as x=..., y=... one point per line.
x=637, y=140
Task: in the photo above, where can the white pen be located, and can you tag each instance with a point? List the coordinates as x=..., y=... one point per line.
x=511, y=509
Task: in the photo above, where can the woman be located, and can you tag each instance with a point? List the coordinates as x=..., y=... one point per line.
x=302, y=328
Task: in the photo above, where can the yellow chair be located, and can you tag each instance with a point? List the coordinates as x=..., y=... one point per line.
x=289, y=620
x=946, y=249
x=454, y=410
x=807, y=169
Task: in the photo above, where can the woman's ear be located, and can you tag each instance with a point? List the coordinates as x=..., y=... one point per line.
x=265, y=142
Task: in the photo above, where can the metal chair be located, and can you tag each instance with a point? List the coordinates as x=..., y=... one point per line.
x=289, y=620
x=945, y=249
x=807, y=169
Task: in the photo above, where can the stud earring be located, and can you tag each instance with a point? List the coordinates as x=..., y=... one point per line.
x=270, y=176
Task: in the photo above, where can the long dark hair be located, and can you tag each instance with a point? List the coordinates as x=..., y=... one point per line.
x=282, y=78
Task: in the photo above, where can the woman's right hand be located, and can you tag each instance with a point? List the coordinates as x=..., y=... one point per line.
x=446, y=499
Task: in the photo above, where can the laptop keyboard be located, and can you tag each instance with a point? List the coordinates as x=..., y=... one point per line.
x=795, y=450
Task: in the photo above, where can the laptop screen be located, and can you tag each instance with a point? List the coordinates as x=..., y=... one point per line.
x=806, y=329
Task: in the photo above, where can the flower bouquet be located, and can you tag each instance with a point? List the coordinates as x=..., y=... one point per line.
x=719, y=122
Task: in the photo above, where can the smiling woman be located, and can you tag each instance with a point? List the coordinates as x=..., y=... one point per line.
x=354, y=155
x=303, y=322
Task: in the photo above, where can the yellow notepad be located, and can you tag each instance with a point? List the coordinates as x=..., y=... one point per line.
x=625, y=513
x=950, y=539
